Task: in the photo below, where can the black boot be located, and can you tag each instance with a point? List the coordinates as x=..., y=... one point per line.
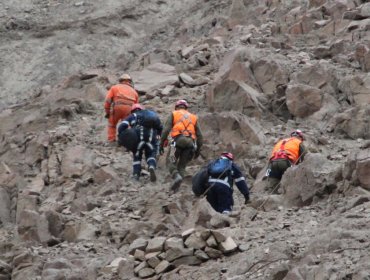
x=153, y=177
x=177, y=180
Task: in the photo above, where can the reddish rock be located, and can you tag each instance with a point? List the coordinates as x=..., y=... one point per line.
x=302, y=100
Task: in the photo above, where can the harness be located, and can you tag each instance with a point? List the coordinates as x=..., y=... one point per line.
x=281, y=153
x=142, y=142
x=185, y=116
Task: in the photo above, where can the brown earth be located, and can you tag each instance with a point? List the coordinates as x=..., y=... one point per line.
x=252, y=70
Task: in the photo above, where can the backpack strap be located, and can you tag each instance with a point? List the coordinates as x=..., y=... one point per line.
x=185, y=116
x=281, y=153
x=143, y=143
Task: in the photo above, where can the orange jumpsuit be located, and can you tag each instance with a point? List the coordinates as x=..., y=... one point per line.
x=118, y=104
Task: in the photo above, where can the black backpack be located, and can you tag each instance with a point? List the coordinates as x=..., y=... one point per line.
x=220, y=168
x=129, y=139
x=147, y=118
x=200, y=182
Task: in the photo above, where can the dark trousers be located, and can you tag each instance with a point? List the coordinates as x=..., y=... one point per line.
x=220, y=197
x=179, y=158
x=150, y=153
x=278, y=167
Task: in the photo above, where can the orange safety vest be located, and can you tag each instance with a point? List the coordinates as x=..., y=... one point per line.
x=287, y=149
x=183, y=123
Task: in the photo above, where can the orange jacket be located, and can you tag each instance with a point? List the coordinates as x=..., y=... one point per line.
x=183, y=123
x=287, y=148
x=120, y=94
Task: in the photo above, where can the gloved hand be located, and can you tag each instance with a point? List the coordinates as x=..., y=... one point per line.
x=247, y=200
x=161, y=150
x=196, y=153
x=106, y=116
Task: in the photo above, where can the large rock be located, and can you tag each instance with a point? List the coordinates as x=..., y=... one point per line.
x=155, y=245
x=229, y=127
x=357, y=168
x=125, y=269
x=33, y=227
x=79, y=231
x=26, y=202
x=195, y=241
x=319, y=75
x=204, y=215
x=4, y=206
x=269, y=73
x=236, y=95
x=314, y=177
x=235, y=66
x=237, y=14
x=303, y=100
x=362, y=55
x=155, y=76
x=173, y=242
x=329, y=108
x=356, y=88
x=36, y=147
x=175, y=253
x=76, y=161
x=354, y=122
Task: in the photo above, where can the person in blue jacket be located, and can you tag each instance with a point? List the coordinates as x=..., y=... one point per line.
x=148, y=129
x=222, y=173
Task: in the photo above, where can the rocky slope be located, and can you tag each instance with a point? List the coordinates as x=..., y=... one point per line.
x=252, y=70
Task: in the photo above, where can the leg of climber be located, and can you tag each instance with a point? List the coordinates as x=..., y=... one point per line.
x=150, y=154
x=136, y=164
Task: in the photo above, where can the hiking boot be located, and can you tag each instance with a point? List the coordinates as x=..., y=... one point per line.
x=176, y=183
x=136, y=177
x=153, y=177
x=226, y=212
x=110, y=144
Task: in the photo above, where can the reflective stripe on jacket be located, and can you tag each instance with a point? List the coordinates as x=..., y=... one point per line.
x=120, y=94
x=183, y=123
x=287, y=149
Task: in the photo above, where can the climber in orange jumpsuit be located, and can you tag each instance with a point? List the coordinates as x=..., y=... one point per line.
x=118, y=103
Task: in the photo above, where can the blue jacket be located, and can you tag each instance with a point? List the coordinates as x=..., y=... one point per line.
x=136, y=120
x=236, y=176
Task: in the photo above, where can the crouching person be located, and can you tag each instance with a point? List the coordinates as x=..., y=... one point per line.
x=286, y=153
x=217, y=185
x=141, y=138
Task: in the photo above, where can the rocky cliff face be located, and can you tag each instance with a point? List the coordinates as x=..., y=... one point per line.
x=252, y=70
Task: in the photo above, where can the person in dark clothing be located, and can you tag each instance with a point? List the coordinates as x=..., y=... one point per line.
x=219, y=191
x=286, y=153
x=148, y=128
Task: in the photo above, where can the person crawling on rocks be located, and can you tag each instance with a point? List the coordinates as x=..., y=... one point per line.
x=286, y=153
x=146, y=127
x=186, y=141
x=216, y=182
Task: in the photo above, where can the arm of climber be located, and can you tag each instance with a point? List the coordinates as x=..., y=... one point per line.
x=129, y=121
x=239, y=180
x=302, y=152
x=158, y=126
x=108, y=101
x=199, y=135
x=166, y=130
